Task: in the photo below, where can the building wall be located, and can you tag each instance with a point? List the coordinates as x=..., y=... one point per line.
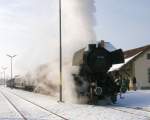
x=140, y=67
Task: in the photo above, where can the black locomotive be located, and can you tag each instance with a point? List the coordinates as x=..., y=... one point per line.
x=93, y=80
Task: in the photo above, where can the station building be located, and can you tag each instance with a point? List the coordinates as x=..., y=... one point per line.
x=137, y=64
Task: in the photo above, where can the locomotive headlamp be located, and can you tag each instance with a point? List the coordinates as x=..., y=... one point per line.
x=98, y=90
x=93, y=84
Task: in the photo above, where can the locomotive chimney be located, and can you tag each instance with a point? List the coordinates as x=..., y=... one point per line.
x=92, y=47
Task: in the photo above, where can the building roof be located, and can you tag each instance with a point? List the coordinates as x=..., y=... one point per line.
x=132, y=52
x=130, y=55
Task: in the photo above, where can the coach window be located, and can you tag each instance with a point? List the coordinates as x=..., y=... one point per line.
x=149, y=75
x=148, y=56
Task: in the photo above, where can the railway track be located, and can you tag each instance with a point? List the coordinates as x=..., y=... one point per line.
x=139, y=113
x=21, y=114
x=16, y=109
x=130, y=110
x=135, y=108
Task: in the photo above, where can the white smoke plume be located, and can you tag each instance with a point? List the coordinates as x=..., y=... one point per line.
x=77, y=31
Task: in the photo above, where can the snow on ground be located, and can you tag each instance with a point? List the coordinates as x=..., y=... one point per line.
x=30, y=111
x=139, y=98
x=89, y=112
x=7, y=111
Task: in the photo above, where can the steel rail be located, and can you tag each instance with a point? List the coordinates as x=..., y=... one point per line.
x=39, y=106
x=126, y=111
x=18, y=111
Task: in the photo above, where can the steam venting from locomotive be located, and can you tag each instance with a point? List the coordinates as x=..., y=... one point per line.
x=77, y=31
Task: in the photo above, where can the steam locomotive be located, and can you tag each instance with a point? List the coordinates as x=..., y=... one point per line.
x=93, y=80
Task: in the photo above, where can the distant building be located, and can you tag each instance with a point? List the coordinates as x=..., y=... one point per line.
x=137, y=63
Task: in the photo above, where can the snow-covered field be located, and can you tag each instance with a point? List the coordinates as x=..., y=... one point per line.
x=137, y=102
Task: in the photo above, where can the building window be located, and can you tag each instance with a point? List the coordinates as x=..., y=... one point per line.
x=148, y=56
x=149, y=75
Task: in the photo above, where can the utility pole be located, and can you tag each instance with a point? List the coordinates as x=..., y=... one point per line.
x=4, y=69
x=11, y=58
x=60, y=43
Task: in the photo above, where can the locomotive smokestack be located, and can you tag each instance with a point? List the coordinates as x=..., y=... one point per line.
x=92, y=47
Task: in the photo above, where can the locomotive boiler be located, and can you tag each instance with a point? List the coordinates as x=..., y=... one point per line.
x=93, y=80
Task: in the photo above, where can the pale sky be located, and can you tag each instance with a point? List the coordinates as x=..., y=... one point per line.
x=125, y=23
x=26, y=27
x=25, y=24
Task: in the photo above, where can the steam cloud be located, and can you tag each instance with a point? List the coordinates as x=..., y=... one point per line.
x=77, y=31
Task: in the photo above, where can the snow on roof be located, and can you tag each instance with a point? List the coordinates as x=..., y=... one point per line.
x=118, y=66
x=108, y=46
